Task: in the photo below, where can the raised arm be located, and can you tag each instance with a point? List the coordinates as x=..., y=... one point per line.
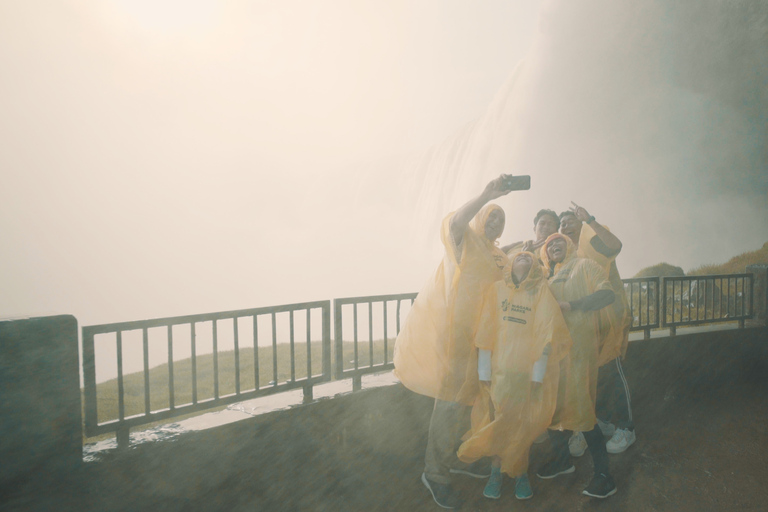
x=463, y=215
x=609, y=239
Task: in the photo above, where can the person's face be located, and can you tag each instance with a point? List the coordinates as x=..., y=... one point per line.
x=556, y=250
x=546, y=226
x=494, y=225
x=521, y=266
x=570, y=226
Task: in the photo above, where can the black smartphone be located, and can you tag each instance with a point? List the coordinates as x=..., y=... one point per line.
x=517, y=183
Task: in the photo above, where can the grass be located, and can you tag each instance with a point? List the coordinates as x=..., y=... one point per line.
x=735, y=265
x=133, y=383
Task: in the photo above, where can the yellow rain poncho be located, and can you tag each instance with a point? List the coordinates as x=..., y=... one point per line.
x=517, y=323
x=434, y=352
x=615, y=320
x=573, y=279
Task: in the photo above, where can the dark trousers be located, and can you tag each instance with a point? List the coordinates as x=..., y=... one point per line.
x=595, y=442
x=448, y=423
x=614, y=403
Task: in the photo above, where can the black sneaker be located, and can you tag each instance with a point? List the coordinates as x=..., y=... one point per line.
x=552, y=469
x=443, y=494
x=478, y=469
x=601, y=486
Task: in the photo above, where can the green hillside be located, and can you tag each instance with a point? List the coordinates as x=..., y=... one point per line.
x=735, y=265
x=106, y=392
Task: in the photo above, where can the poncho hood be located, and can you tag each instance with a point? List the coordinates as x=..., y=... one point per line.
x=534, y=277
x=570, y=252
x=477, y=224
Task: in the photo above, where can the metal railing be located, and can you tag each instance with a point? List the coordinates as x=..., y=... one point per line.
x=378, y=357
x=696, y=300
x=643, y=299
x=653, y=302
x=235, y=321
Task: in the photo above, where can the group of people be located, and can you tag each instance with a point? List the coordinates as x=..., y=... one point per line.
x=516, y=341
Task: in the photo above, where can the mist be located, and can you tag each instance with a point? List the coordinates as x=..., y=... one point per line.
x=167, y=158
x=653, y=116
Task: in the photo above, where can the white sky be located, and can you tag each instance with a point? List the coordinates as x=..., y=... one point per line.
x=173, y=157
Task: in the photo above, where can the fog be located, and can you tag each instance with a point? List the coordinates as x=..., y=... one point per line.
x=166, y=158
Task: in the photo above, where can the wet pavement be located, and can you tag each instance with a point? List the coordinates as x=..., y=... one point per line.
x=700, y=406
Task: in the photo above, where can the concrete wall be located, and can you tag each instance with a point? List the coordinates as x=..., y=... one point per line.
x=40, y=419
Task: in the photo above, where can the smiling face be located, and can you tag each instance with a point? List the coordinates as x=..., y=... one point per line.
x=545, y=225
x=521, y=266
x=570, y=226
x=494, y=225
x=556, y=250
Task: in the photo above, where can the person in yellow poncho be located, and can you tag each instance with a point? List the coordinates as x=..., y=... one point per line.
x=545, y=223
x=522, y=338
x=614, y=405
x=434, y=352
x=582, y=288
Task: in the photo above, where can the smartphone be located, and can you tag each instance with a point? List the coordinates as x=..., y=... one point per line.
x=517, y=183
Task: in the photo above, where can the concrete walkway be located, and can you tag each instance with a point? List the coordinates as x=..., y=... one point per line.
x=700, y=403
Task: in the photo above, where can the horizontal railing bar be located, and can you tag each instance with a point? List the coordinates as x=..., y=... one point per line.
x=686, y=323
x=703, y=278
x=374, y=298
x=683, y=323
x=367, y=369
x=200, y=406
x=203, y=317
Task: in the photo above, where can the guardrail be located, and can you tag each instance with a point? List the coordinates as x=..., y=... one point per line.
x=653, y=302
x=355, y=368
x=696, y=300
x=643, y=298
x=235, y=322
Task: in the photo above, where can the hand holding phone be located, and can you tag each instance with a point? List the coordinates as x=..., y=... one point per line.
x=516, y=182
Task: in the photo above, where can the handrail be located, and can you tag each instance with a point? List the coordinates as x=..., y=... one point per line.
x=123, y=423
x=696, y=300
x=654, y=302
x=338, y=325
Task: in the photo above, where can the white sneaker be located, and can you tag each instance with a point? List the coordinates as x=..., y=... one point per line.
x=608, y=429
x=577, y=445
x=621, y=440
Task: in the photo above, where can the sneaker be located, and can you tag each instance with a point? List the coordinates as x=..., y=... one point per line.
x=478, y=469
x=607, y=428
x=601, y=486
x=577, y=445
x=551, y=469
x=493, y=487
x=523, y=489
x=622, y=439
x=443, y=494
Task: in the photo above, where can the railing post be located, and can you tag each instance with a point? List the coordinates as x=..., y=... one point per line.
x=123, y=438
x=338, y=342
x=672, y=330
x=327, y=375
x=89, y=381
x=308, y=398
x=357, y=383
x=663, y=295
x=758, y=303
x=646, y=334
